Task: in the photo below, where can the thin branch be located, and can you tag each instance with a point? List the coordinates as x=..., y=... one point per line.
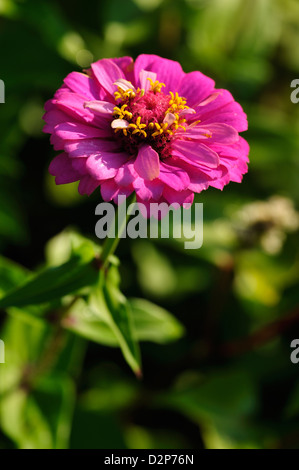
x=260, y=337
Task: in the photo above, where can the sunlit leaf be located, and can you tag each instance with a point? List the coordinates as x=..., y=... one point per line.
x=56, y=282
x=153, y=323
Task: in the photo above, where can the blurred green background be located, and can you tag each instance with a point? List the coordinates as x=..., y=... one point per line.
x=216, y=370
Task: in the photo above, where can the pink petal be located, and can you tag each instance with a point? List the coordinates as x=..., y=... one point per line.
x=220, y=182
x=79, y=164
x=147, y=190
x=147, y=163
x=234, y=160
x=87, y=185
x=61, y=167
x=76, y=131
x=197, y=152
x=84, y=148
x=126, y=175
x=57, y=142
x=223, y=99
x=52, y=118
x=169, y=118
x=179, y=197
x=195, y=87
x=238, y=150
x=173, y=176
x=83, y=85
x=220, y=132
x=109, y=190
x=183, y=112
x=106, y=73
x=211, y=98
x=122, y=192
x=124, y=85
x=146, y=210
x=236, y=119
x=199, y=179
x=126, y=64
x=223, y=109
x=143, y=77
x=119, y=124
x=105, y=165
x=101, y=108
x=168, y=71
x=73, y=105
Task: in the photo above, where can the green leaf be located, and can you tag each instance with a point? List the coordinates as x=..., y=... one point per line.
x=86, y=322
x=106, y=318
x=55, y=282
x=119, y=318
x=154, y=323
x=151, y=323
x=23, y=422
x=221, y=396
x=55, y=397
x=11, y=274
x=41, y=419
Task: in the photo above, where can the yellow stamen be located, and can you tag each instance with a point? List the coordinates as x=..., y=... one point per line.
x=156, y=86
x=123, y=95
x=121, y=112
x=160, y=128
x=138, y=127
x=176, y=105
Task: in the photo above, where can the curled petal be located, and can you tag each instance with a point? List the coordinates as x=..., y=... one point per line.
x=103, y=108
x=119, y=124
x=124, y=85
x=169, y=119
x=218, y=132
x=187, y=111
x=143, y=77
x=211, y=98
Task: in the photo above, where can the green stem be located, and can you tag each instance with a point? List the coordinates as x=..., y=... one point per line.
x=117, y=227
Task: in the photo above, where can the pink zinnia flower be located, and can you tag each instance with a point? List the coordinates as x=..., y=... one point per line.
x=145, y=126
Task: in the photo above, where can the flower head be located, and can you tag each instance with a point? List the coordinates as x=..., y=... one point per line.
x=145, y=126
